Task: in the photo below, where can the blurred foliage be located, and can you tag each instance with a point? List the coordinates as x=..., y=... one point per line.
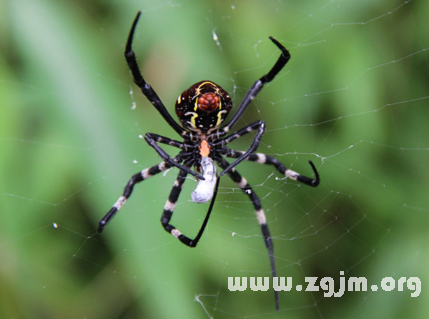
x=353, y=99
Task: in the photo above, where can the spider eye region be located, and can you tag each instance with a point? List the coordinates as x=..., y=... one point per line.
x=203, y=107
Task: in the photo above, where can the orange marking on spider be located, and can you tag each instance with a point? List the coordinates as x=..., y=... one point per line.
x=204, y=148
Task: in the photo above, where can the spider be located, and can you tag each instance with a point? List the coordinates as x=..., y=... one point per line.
x=201, y=110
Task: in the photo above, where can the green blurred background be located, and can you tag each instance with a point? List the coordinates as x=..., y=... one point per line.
x=353, y=99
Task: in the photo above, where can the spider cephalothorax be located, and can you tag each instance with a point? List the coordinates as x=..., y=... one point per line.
x=203, y=107
x=201, y=110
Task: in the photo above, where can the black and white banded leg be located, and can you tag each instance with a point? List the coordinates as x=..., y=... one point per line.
x=137, y=178
x=171, y=204
x=270, y=160
x=241, y=182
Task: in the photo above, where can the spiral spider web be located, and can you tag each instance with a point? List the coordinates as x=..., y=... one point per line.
x=353, y=99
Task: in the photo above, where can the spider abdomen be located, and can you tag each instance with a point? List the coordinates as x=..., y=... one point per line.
x=208, y=102
x=203, y=107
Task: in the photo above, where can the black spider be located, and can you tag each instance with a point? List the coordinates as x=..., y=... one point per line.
x=201, y=110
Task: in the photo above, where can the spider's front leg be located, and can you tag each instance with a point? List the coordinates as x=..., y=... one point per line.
x=171, y=204
x=271, y=160
x=259, y=211
x=137, y=178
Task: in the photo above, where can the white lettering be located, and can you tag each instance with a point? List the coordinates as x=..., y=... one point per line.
x=234, y=285
x=257, y=285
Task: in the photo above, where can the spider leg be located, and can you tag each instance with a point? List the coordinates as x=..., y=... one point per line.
x=137, y=178
x=150, y=139
x=260, y=125
x=260, y=214
x=171, y=204
x=270, y=160
x=171, y=142
x=281, y=62
x=258, y=85
x=146, y=88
